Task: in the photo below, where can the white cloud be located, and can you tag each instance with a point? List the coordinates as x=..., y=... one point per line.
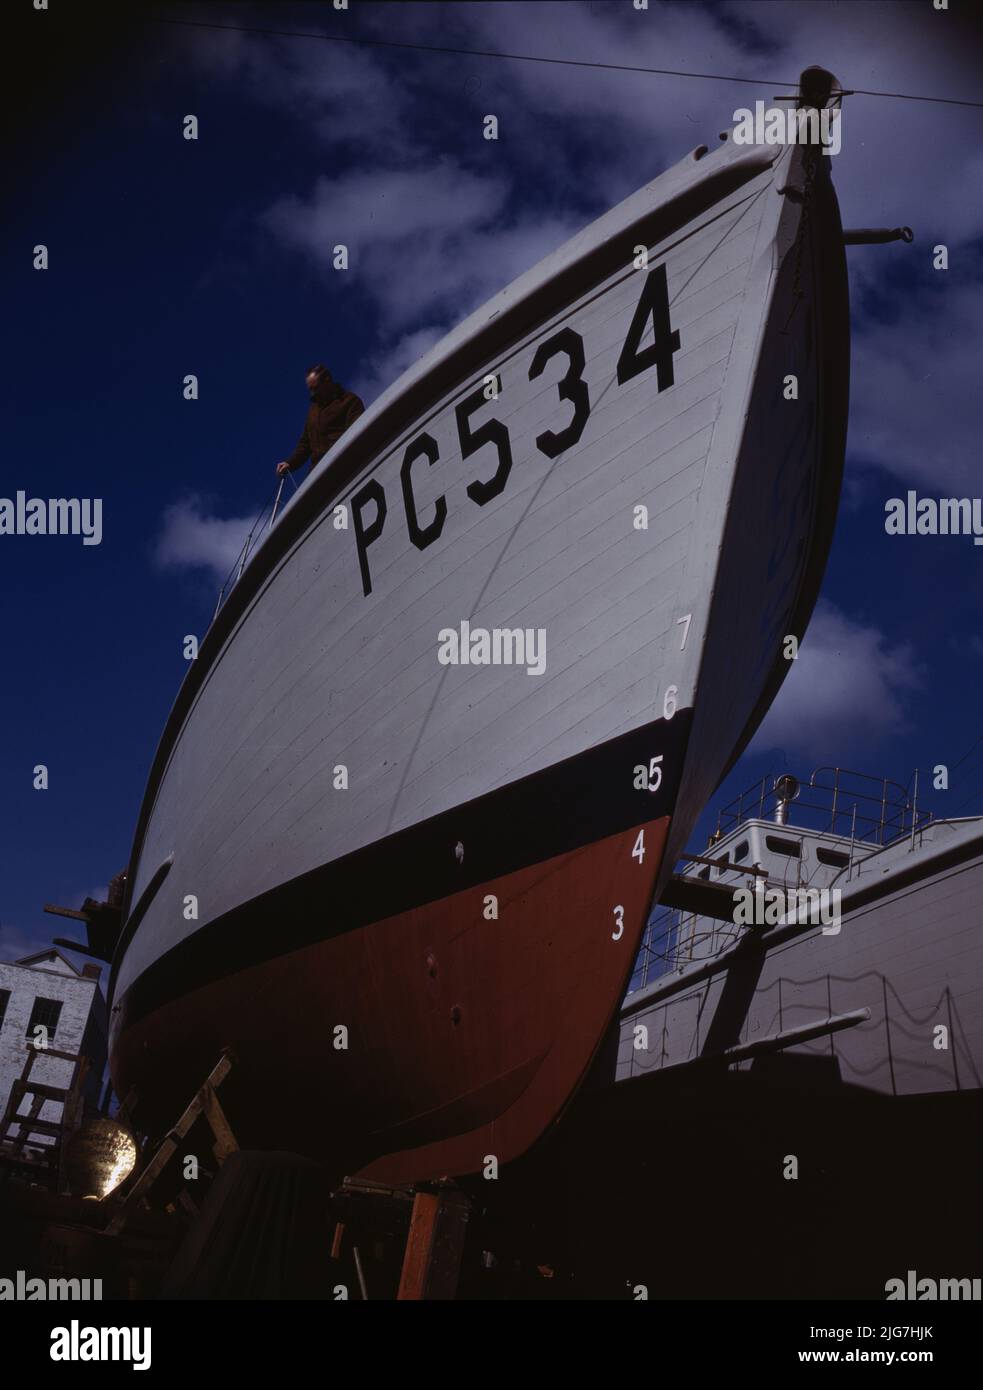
x=421, y=240
x=410, y=233
x=845, y=694
x=336, y=92
x=387, y=208
x=192, y=539
x=635, y=123
x=915, y=406
x=380, y=370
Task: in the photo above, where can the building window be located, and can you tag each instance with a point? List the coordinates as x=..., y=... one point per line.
x=790, y=847
x=4, y=1001
x=45, y=1013
x=741, y=851
x=832, y=857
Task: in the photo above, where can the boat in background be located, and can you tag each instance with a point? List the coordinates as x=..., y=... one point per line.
x=404, y=881
x=876, y=986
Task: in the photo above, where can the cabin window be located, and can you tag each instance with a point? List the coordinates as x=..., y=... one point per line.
x=4, y=1001
x=781, y=846
x=833, y=858
x=741, y=851
x=722, y=864
x=46, y=1013
x=704, y=872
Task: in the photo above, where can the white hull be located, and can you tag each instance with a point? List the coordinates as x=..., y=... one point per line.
x=646, y=630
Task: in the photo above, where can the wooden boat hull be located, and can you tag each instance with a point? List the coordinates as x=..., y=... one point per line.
x=602, y=455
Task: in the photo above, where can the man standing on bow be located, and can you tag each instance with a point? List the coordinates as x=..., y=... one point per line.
x=332, y=410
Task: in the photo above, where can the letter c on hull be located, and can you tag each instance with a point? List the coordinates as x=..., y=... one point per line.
x=421, y=536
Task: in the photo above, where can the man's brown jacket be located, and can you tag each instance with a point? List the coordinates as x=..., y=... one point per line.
x=324, y=426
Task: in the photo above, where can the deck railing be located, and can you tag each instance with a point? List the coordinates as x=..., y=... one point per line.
x=871, y=811
x=264, y=522
x=835, y=801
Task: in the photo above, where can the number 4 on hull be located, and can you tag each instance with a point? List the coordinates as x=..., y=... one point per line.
x=653, y=303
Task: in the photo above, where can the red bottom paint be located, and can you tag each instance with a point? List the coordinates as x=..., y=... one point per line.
x=467, y=1032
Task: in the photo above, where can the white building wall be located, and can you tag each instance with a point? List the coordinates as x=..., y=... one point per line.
x=50, y=977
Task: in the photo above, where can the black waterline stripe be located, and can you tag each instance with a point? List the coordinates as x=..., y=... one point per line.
x=568, y=805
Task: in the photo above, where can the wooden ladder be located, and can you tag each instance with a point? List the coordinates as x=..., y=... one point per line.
x=40, y=1092
x=205, y=1103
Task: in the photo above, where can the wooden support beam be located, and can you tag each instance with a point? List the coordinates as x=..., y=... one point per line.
x=225, y=1140
x=52, y=1052
x=697, y=895
x=419, y=1246
x=204, y=1097
x=30, y=1124
x=435, y=1245
x=71, y=1118
x=65, y=912
x=49, y=1092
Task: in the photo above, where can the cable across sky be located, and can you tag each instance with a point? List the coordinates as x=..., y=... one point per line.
x=541, y=58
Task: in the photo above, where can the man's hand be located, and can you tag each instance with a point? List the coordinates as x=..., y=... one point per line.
x=282, y=469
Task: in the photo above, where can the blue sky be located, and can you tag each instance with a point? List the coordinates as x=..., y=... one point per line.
x=212, y=257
